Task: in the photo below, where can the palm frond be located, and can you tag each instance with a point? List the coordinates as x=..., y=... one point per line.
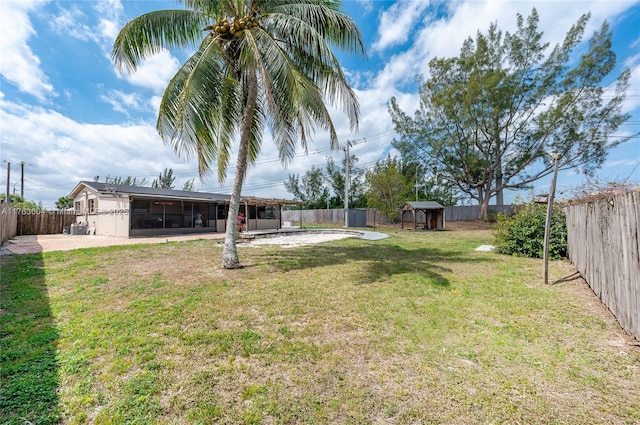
x=326, y=18
x=302, y=36
x=289, y=52
x=150, y=33
x=291, y=79
x=200, y=108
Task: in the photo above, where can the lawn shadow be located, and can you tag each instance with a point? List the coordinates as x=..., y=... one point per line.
x=377, y=261
x=569, y=278
x=28, y=344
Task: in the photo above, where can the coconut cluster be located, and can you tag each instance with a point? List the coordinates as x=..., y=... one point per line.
x=224, y=27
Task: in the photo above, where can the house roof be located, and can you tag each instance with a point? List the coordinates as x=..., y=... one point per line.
x=422, y=205
x=154, y=192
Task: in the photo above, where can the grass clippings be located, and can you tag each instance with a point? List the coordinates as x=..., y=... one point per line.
x=416, y=328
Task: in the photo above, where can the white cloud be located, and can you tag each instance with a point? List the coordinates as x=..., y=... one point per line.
x=632, y=101
x=442, y=35
x=110, y=12
x=73, y=22
x=18, y=63
x=367, y=5
x=155, y=103
x=155, y=72
x=621, y=162
x=61, y=151
x=398, y=22
x=67, y=22
x=125, y=102
x=101, y=28
x=109, y=30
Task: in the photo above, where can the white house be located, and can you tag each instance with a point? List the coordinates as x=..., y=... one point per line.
x=124, y=211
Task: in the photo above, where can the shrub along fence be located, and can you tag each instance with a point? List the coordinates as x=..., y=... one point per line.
x=455, y=213
x=604, y=245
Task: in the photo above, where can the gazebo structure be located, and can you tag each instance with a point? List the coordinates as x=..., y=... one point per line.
x=427, y=215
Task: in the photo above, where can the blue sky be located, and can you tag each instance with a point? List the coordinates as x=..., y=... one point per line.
x=68, y=115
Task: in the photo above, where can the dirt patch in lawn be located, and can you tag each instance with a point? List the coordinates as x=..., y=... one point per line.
x=469, y=225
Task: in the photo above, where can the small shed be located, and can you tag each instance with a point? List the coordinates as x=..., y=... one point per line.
x=427, y=215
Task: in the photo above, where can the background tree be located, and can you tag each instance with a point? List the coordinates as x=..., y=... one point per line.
x=388, y=187
x=164, y=180
x=18, y=202
x=309, y=188
x=258, y=63
x=64, y=202
x=128, y=181
x=335, y=176
x=429, y=186
x=489, y=118
x=189, y=186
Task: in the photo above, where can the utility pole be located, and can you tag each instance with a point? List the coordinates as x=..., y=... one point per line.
x=7, y=199
x=22, y=179
x=547, y=227
x=346, y=185
x=417, y=186
x=347, y=178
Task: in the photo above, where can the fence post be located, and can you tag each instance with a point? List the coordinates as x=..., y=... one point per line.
x=547, y=227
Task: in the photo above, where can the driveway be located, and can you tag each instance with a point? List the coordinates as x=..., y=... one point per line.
x=31, y=244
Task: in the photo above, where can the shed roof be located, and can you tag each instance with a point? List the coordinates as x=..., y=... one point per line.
x=423, y=205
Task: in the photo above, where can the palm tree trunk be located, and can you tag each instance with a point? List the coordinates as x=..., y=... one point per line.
x=230, y=258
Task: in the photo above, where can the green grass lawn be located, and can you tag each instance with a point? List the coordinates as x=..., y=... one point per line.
x=416, y=328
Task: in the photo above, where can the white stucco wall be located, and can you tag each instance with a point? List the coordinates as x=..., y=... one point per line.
x=112, y=217
x=109, y=218
x=266, y=224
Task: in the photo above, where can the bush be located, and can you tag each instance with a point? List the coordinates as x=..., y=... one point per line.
x=522, y=234
x=492, y=216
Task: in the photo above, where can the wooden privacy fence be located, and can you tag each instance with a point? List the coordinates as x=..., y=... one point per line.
x=314, y=216
x=329, y=216
x=8, y=221
x=43, y=222
x=456, y=213
x=472, y=212
x=604, y=245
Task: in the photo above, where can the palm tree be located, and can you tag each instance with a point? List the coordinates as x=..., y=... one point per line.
x=257, y=64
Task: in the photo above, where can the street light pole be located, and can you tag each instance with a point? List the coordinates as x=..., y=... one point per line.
x=547, y=228
x=22, y=179
x=8, y=199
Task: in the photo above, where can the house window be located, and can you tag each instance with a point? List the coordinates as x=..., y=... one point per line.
x=78, y=207
x=140, y=207
x=93, y=205
x=267, y=213
x=222, y=212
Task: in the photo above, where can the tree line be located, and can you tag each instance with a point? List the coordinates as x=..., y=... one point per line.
x=165, y=180
x=387, y=186
x=489, y=119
